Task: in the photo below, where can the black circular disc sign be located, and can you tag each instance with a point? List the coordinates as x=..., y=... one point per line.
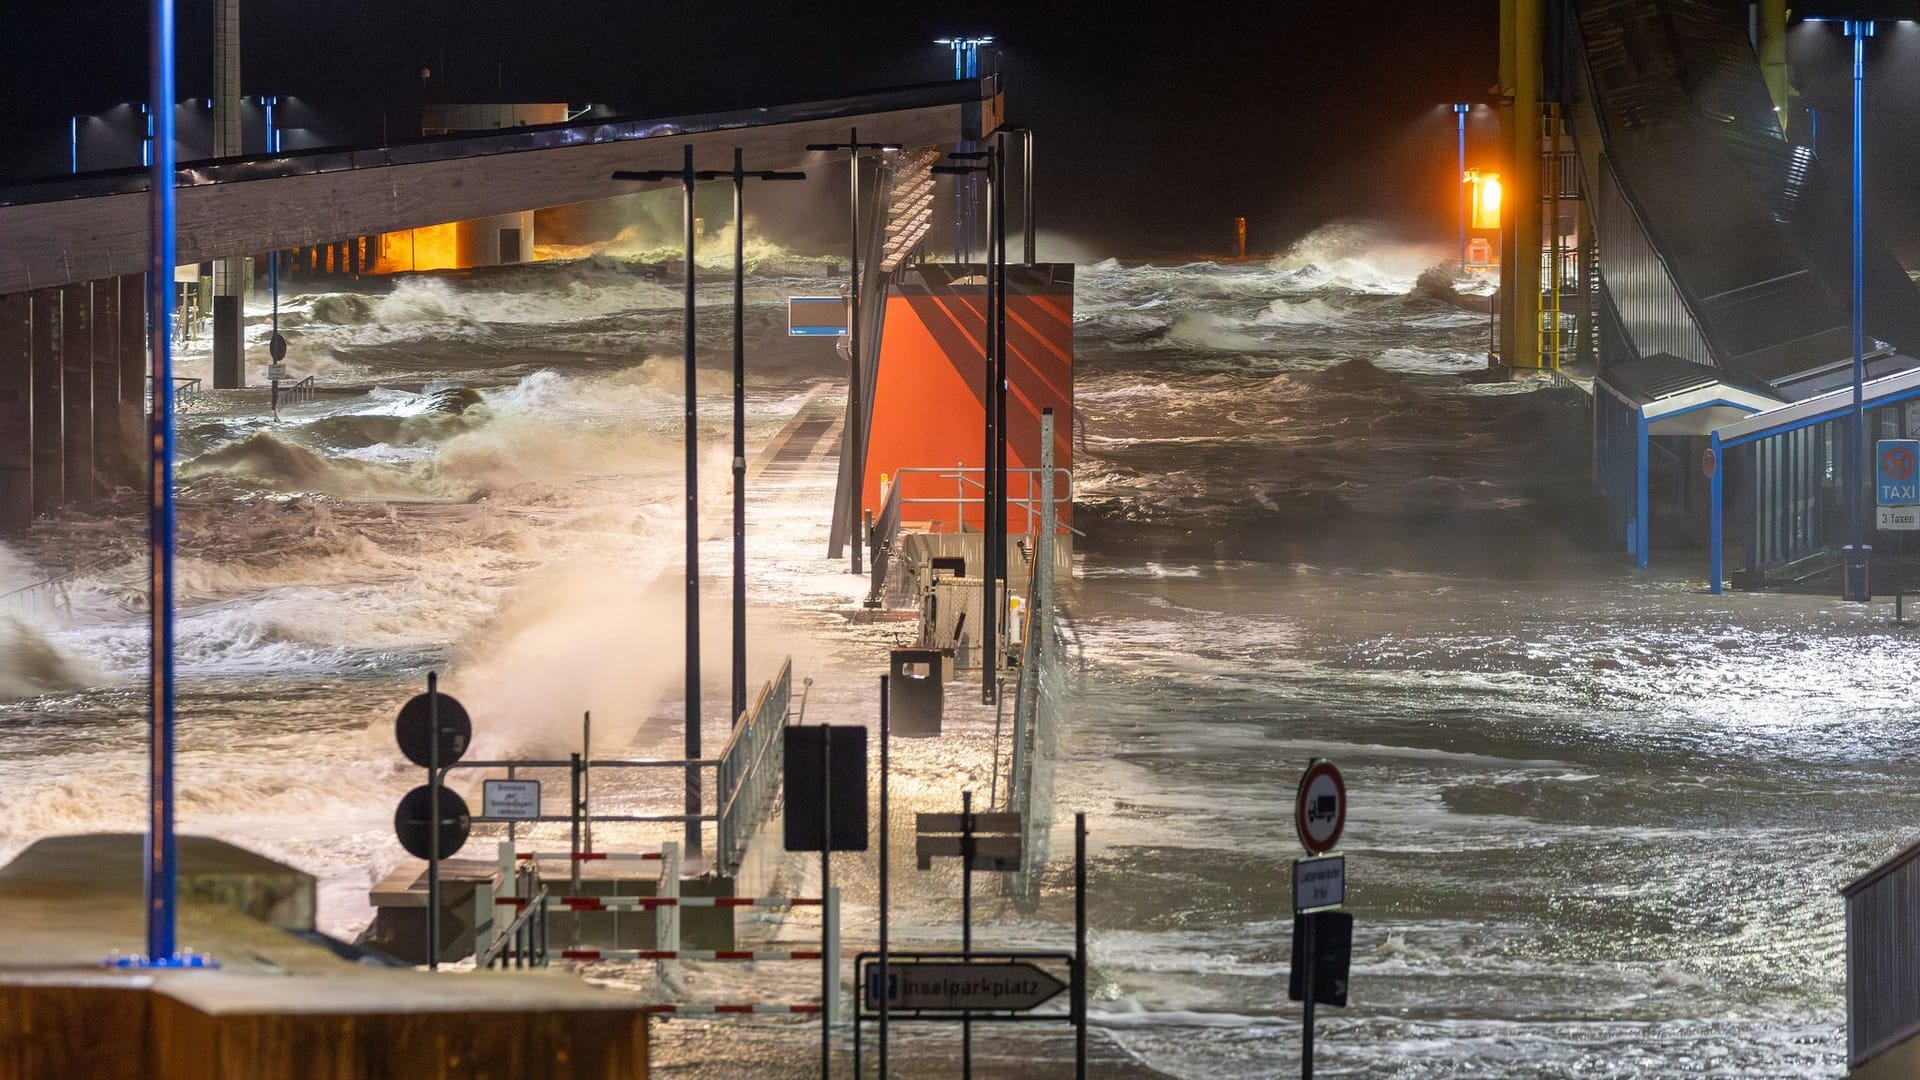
x=413, y=731
x=277, y=347
x=1320, y=807
x=411, y=822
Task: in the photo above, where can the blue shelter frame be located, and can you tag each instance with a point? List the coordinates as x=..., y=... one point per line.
x=1788, y=462
x=1639, y=400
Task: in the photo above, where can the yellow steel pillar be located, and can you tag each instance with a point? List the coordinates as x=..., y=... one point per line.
x=1773, y=57
x=1521, y=44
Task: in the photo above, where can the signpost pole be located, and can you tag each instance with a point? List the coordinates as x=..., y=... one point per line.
x=739, y=441
x=1319, y=817
x=826, y=881
x=989, y=602
x=884, y=1010
x=856, y=439
x=966, y=920
x=586, y=783
x=1080, y=946
x=573, y=815
x=433, y=824
x=1306, y=980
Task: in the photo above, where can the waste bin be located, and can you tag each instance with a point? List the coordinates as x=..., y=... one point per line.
x=916, y=697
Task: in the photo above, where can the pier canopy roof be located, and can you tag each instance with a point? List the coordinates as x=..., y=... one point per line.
x=93, y=226
x=1673, y=396
x=1897, y=380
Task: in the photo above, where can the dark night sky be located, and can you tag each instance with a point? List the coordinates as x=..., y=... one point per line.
x=1156, y=123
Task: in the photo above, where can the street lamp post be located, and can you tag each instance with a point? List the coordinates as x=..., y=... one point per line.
x=966, y=65
x=1460, y=116
x=161, y=855
x=685, y=174
x=739, y=175
x=1859, y=553
x=855, y=441
x=993, y=402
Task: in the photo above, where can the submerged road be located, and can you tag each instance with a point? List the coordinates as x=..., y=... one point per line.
x=1598, y=818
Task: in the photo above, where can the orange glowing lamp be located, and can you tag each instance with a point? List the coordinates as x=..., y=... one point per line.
x=1485, y=187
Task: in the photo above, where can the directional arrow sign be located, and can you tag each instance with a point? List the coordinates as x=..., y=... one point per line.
x=959, y=986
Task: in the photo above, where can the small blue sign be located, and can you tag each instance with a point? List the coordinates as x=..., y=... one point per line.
x=816, y=316
x=1897, y=479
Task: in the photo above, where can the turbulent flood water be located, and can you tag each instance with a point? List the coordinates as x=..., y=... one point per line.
x=1597, y=820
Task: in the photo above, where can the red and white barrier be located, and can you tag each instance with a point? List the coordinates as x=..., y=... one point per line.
x=596, y=856
x=647, y=903
x=724, y=1010
x=667, y=904
x=689, y=954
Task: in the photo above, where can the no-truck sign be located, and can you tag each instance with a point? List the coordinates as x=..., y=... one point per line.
x=1320, y=807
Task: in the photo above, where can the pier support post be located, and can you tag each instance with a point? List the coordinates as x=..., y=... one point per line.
x=49, y=461
x=16, y=413
x=229, y=355
x=76, y=383
x=130, y=461
x=104, y=364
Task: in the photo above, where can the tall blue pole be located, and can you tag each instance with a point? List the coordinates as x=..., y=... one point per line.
x=73, y=144
x=1460, y=112
x=1716, y=539
x=161, y=866
x=1858, y=552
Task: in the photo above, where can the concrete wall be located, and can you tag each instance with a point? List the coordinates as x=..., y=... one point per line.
x=72, y=395
x=480, y=240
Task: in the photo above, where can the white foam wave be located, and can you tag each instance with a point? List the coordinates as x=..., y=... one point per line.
x=1210, y=331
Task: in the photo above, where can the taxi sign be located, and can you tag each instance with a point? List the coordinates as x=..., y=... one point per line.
x=1320, y=806
x=1897, y=480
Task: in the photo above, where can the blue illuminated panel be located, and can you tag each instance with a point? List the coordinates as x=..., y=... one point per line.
x=816, y=316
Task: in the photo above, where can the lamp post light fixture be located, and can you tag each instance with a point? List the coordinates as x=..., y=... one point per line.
x=685, y=175
x=740, y=175
x=966, y=65
x=856, y=440
x=1460, y=115
x=1859, y=553
x=993, y=400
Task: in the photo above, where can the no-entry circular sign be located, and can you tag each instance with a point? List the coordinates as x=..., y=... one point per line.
x=1896, y=463
x=1320, y=809
x=413, y=822
x=413, y=730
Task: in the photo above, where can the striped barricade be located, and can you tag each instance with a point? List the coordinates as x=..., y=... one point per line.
x=595, y=856
x=681, y=1009
x=690, y=954
x=647, y=903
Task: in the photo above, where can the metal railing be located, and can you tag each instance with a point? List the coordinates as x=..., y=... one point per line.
x=969, y=491
x=748, y=775
x=524, y=943
x=51, y=596
x=746, y=778
x=1029, y=784
x=962, y=487
x=1883, y=953
x=299, y=393
x=186, y=391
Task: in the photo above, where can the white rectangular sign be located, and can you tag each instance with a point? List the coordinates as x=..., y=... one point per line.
x=1319, y=883
x=1897, y=518
x=510, y=800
